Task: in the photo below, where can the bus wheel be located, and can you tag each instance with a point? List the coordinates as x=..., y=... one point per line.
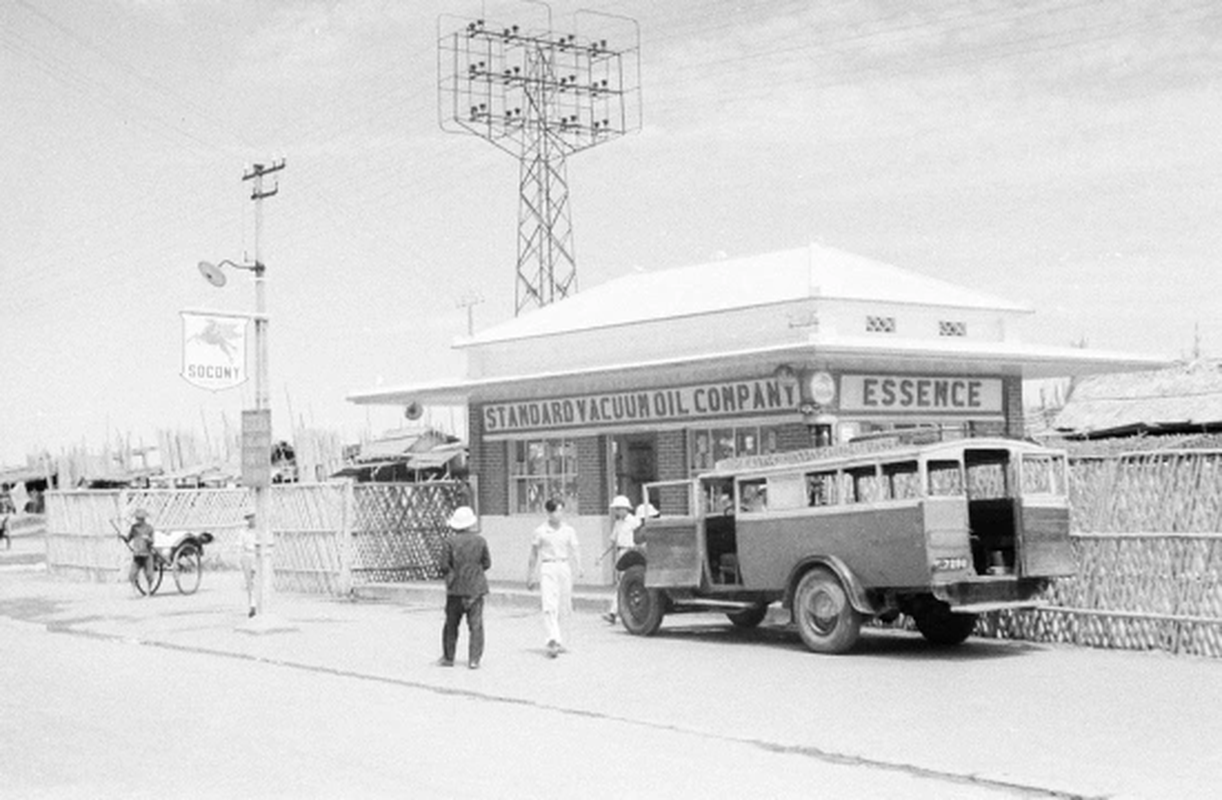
x=749, y=617
x=826, y=620
x=640, y=608
x=940, y=626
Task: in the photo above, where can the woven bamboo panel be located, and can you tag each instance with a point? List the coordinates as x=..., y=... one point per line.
x=81, y=541
x=82, y=526
x=398, y=529
x=326, y=535
x=188, y=509
x=309, y=522
x=1132, y=592
x=1173, y=491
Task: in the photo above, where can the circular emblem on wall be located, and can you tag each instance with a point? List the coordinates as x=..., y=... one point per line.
x=822, y=388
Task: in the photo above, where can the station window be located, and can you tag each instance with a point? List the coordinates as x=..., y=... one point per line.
x=542, y=469
x=707, y=446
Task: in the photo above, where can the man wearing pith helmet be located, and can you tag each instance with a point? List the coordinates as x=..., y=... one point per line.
x=464, y=560
x=140, y=539
x=621, y=540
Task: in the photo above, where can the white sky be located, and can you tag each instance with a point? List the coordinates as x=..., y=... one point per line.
x=1065, y=155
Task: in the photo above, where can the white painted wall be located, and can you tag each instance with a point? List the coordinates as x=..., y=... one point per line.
x=509, y=542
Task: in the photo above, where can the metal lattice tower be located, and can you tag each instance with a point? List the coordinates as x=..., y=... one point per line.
x=539, y=96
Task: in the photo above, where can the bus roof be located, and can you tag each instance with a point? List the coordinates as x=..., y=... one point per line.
x=869, y=451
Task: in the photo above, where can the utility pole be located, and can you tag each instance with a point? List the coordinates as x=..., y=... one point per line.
x=469, y=300
x=265, y=541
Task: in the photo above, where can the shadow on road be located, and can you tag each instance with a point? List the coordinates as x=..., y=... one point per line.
x=876, y=643
x=29, y=609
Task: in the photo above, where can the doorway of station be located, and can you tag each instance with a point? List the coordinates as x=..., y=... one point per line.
x=634, y=463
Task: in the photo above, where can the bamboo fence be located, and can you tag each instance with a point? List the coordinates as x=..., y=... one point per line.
x=327, y=536
x=1148, y=546
x=1147, y=539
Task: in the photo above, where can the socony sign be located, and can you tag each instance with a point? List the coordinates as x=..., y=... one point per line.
x=213, y=350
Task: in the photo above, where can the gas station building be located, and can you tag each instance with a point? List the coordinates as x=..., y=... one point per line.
x=657, y=375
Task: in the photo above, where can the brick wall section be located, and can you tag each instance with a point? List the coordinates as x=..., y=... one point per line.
x=489, y=461
x=592, y=475
x=672, y=465
x=672, y=455
x=1012, y=402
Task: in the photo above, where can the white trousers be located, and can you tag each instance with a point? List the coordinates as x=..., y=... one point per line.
x=556, y=594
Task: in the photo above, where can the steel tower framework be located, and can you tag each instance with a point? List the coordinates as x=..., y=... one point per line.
x=539, y=96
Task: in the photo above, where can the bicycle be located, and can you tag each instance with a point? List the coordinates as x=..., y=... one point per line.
x=182, y=552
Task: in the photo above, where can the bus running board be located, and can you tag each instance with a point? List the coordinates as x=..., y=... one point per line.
x=728, y=605
x=1001, y=605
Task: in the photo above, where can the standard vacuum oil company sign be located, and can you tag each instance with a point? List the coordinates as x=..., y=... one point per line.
x=213, y=350
x=749, y=397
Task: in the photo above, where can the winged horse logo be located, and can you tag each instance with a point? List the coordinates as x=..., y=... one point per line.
x=224, y=335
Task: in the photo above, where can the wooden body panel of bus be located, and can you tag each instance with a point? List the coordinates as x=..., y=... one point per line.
x=884, y=544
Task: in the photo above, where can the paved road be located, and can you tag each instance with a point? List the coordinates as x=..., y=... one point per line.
x=350, y=702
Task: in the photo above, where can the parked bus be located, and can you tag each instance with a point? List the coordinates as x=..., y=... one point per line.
x=939, y=531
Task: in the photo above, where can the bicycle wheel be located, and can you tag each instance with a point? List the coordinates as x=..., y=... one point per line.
x=140, y=579
x=188, y=568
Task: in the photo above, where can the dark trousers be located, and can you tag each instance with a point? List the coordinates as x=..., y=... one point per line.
x=456, y=607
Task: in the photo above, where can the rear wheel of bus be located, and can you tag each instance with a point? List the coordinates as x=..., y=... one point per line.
x=826, y=619
x=640, y=608
x=940, y=626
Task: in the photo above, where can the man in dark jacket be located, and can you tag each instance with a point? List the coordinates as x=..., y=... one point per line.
x=464, y=559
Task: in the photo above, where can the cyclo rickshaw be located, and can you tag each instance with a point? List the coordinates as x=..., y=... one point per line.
x=179, y=551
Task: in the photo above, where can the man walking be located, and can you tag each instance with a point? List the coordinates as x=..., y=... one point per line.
x=464, y=560
x=622, y=539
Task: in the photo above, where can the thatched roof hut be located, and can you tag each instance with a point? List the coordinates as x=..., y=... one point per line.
x=1186, y=398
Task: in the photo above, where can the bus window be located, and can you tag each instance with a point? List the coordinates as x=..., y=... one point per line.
x=1041, y=474
x=786, y=491
x=902, y=481
x=821, y=488
x=862, y=485
x=945, y=479
x=988, y=474
x=753, y=495
x=718, y=497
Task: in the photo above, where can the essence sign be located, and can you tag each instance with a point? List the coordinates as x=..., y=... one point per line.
x=213, y=350
x=920, y=394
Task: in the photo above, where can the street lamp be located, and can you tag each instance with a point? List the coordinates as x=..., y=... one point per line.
x=256, y=430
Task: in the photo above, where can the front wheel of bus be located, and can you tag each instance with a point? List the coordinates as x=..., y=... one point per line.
x=826, y=620
x=941, y=627
x=640, y=608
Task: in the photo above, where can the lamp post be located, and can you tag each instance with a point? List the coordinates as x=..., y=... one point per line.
x=257, y=424
x=256, y=427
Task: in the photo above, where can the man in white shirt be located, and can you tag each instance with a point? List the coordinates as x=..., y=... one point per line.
x=552, y=549
x=623, y=528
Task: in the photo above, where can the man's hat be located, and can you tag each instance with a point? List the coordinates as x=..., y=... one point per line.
x=621, y=502
x=463, y=518
x=647, y=511
x=140, y=513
